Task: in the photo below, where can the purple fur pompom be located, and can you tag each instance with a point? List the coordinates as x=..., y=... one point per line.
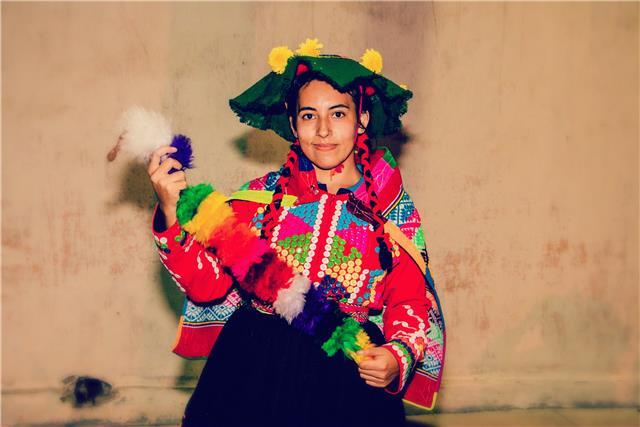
x=184, y=154
x=316, y=307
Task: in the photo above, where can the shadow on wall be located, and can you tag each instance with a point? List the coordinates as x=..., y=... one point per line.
x=135, y=188
x=174, y=299
x=263, y=147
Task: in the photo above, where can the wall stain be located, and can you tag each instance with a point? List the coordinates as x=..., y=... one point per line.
x=557, y=333
x=462, y=269
x=561, y=253
x=71, y=240
x=116, y=269
x=553, y=252
x=580, y=256
x=482, y=321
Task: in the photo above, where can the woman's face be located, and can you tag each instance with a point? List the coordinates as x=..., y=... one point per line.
x=326, y=124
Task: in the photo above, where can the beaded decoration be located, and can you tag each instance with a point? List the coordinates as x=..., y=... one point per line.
x=259, y=270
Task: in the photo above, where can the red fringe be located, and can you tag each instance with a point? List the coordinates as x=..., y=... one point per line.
x=253, y=263
x=232, y=240
x=254, y=256
x=276, y=276
x=257, y=271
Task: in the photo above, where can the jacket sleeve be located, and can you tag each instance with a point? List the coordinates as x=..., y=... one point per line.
x=405, y=318
x=194, y=268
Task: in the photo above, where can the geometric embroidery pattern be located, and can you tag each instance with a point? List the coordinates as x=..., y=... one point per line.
x=293, y=227
x=297, y=246
x=348, y=220
x=211, y=313
x=432, y=361
x=306, y=211
x=356, y=235
x=403, y=210
x=339, y=255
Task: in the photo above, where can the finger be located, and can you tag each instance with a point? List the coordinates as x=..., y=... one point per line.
x=165, y=167
x=373, y=351
x=377, y=374
x=156, y=157
x=365, y=353
x=371, y=364
x=178, y=176
x=172, y=186
x=370, y=377
x=154, y=161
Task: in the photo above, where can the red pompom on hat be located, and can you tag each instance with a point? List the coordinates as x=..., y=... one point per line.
x=302, y=68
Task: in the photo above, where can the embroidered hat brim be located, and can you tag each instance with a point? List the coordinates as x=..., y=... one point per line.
x=263, y=104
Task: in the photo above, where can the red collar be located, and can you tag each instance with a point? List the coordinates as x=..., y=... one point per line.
x=386, y=177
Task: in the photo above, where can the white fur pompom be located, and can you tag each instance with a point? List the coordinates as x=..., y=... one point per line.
x=290, y=301
x=143, y=131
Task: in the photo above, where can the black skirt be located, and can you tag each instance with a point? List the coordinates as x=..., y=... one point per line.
x=263, y=372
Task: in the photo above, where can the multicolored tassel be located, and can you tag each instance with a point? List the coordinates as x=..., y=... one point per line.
x=205, y=214
x=259, y=271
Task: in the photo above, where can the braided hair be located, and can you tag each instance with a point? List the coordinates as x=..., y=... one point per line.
x=272, y=211
x=384, y=243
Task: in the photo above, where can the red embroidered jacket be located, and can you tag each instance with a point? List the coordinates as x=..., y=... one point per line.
x=328, y=238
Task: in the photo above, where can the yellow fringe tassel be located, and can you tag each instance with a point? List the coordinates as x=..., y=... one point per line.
x=362, y=341
x=212, y=212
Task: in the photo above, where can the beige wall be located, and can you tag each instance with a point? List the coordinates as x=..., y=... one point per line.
x=523, y=160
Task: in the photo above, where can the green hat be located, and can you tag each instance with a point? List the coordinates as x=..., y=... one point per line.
x=263, y=104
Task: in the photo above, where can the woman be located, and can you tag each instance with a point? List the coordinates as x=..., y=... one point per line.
x=326, y=215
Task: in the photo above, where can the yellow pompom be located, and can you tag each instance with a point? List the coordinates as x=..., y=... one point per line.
x=372, y=60
x=363, y=342
x=212, y=212
x=310, y=47
x=278, y=58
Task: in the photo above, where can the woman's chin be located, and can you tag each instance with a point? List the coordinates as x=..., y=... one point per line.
x=327, y=160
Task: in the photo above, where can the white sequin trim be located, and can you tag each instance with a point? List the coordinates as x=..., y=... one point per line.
x=214, y=264
x=316, y=232
x=199, y=261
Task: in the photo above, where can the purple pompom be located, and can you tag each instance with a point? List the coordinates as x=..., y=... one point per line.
x=184, y=154
x=316, y=307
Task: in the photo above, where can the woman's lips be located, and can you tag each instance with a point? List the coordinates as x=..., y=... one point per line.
x=324, y=147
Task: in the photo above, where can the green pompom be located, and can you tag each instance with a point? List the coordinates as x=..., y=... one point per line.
x=343, y=338
x=190, y=199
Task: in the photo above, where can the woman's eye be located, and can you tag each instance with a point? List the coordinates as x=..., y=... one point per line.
x=306, y=116
x=339, y=114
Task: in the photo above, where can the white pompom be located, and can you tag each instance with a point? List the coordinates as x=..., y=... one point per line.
x=290, y=301
x=143, y=131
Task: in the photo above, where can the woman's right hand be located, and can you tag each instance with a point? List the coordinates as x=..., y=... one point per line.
x=167, y=186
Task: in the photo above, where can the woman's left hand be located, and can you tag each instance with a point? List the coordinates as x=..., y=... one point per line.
x=378, y=367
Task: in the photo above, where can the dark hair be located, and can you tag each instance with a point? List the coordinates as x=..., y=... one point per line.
x=363, y=146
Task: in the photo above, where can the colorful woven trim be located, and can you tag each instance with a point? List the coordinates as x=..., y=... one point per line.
x=205, y=214
x=405, y=357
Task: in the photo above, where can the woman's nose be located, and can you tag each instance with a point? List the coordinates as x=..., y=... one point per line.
x=323, y=128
